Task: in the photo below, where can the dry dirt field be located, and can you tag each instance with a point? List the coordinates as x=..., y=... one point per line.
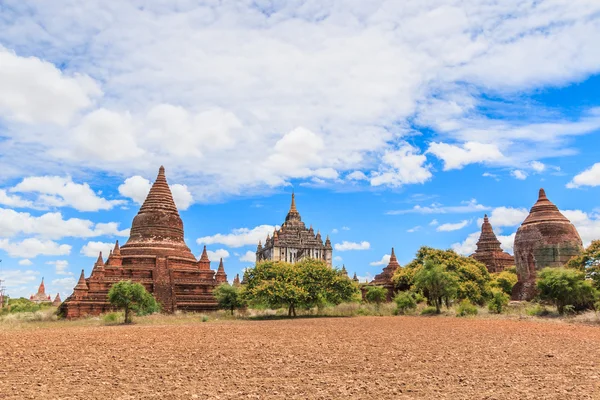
x=321, y=358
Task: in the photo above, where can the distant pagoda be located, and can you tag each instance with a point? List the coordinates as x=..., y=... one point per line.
x=57, y=301
x=41, y=296
x=156, y=256
x=294, y=242
x=385, y=277
x=489, y=252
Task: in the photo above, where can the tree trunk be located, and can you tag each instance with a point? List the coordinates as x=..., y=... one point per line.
x=294, y=310
x=232, y=310
x=290, y=310
x=127, y=315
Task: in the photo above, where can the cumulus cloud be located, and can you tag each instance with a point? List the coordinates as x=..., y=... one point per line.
x=64, y=285
x=53, y=226
x=56, y=191
x=60, y=267
x=33, y=247
x=385, y=260
x=414, y=229
x=92, y=249
x=506, y=216
x=357, y=176
x=519, y=174
x=449, y=227
x=249, y=256
x=345, y=246
x=19, y=282
x=537, y=166
x=239, y=237
x=466, y=207
x=136, y=188
x=587, y=224
x=402, y=166
x=25, y=262
x=456, y=157
x=216, y=255
x=14, y=201
x=589, y=177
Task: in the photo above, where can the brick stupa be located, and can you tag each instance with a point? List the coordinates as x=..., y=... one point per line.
x=41, y=296
x=545, y=239
x=385, y=277
x=57, y=301
x=156, y=256
x=489, y=252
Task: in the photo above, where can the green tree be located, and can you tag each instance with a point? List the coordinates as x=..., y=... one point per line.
x=131, y=297
x=436, y=283
x=405, y=301
x=589, y=262
x=498, y=302
x=229, y=297
x=504, y=281
x=565, y=287
x=376, y=295
x=472, y=277
x=308, y=283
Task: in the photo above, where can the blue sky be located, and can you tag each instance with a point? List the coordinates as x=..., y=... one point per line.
x=396, y=123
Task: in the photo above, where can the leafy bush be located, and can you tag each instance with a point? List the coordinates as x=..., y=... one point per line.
x=465, y=307
x=504, y=281
x=405, y=301
x=498, y=302
x=429, y=310
x=589, y=262
x=436, y=283
x=566, y=286
x=229, y=297
x=132, y=297
x=537, y=310
x=376, y=294
x=112, y=318
x=205, y=318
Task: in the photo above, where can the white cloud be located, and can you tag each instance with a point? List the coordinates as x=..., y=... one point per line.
x=589, y=177
x=345, y=246
x=56, y=191
x=506, y=216
x=32, y=247
x=14, y=201
x=345, y=228
x=434, y=222
x=137, y=188
x=518, y=174
x=217, y=254
x=456, y=157
x=334, y=231
x=60, y=267
x=537, y=166
x=587, y=224
x=249, y=256
x=385, y=260
x=53, y=226
x=401, y=166
x=490, y=175
x=92, y=249
x=25, y=262
x=452, y=227
x=338, y=258
x=35, y=91
x=18, y=282
x=357, y=176
x=413, y=229
x=466, y=207
x=64, y=285
x=239, y=237
x=468, y=246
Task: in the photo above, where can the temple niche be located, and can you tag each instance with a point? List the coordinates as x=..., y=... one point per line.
x=41, y=296
x=489, y=252
x=294, y=242
x=385, y=277
x=545, y=239
x=156, y=256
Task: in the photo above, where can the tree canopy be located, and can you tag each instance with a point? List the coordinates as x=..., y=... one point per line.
x=565, y=287
x=308, y=283
x=229, y=297
x=589, y=262
x=436, y=283
x=132, y=297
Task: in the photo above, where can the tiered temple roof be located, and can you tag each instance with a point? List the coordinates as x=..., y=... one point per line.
x=489, y=252
x=41, y=296
x=545, y=239
x=156, y=256
x=293, y=241
x=385, y=277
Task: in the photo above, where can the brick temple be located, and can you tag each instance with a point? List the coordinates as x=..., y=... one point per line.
x=294, y=242
x=385, y=277
x=41, y=296
x=545, y=239
x=156, y=256
x=489, y=252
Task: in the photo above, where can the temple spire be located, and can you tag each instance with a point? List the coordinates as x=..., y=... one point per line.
x=393, y=256
x=42, y=287
x=117, y=250
x=100, y=260
x=293, y=217
x=81, y=284
x=221, y=276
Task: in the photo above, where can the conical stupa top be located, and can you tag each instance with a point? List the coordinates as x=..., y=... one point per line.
x=487, y=240
x=100, y=260
x=344, y=270
x=157, y=228
x=393, y=255
x=544, y=210
x=42, y=288
x=117, y=250
x=221, y=268
x=81, y=284
x=355, y=278
x=57, y=298
x=236, y=280
x=204, y=256
x=293, y=215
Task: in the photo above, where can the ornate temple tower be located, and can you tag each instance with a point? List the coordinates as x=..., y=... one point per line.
x=545, y=239
x=293, y=242
x=385, y=277
x=41, y=296
x=489, y=252
x=155, y=256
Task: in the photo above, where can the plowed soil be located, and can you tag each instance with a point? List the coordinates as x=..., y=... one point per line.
x=333, y=358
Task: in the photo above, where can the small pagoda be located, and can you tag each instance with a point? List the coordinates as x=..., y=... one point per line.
x=489, y=252
x=156, y=256
x=57, y=301
x=385, y=277
x=41, y=296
